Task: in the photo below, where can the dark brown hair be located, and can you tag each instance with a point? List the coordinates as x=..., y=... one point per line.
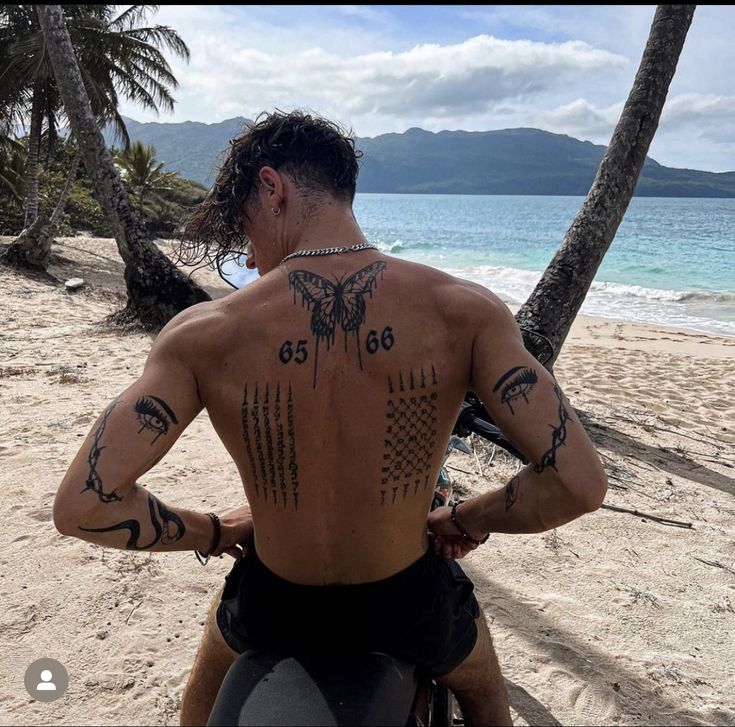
x=318, y=155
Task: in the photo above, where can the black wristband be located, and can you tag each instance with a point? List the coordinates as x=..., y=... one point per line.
x=465, y=534
x=203, y=558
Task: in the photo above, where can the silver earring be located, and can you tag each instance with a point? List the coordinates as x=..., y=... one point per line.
x=276, y=211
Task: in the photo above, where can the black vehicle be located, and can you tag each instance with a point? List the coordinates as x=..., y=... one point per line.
x=272, y=687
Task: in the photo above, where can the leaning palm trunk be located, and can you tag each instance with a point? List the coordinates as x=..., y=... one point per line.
x=554, y=303
x=31, y=249
x=34, y=148
x=68, y=185
x=156, y=289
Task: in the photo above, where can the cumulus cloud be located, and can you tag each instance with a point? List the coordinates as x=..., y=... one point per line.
x=429, y=79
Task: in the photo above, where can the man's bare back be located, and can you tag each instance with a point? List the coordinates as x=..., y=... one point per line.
x=338, y=434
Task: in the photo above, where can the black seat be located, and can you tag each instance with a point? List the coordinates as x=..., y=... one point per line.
x=265, y=687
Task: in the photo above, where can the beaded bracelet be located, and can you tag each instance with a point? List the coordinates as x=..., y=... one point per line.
x=203, y=558
x=465, y=534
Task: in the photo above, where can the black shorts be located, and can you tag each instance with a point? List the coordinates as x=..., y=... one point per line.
x=424, y=615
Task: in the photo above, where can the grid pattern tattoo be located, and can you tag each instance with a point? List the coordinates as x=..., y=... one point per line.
x=410, y=434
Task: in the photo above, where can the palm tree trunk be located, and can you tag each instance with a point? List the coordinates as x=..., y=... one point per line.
x=34, y=146
x=68, y=185
x=31, y=249
x=559, y=294
x=156, y=289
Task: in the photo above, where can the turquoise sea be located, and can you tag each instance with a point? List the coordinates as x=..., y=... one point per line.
x=672, y=261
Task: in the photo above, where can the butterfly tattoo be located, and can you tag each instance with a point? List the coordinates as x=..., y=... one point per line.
x=340, y=302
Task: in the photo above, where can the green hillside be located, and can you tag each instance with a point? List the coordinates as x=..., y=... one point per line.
x=509, y=161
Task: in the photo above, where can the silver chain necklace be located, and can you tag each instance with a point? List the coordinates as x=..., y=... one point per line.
x=331, y=250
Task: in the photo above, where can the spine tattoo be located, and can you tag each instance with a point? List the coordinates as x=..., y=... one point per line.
x=167, y=525
x=410, y=434
x=558, y=435
x=267, y=459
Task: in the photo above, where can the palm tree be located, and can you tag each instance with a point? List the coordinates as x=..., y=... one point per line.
x=142, y=171
x=115, y=56
x=156, y=289
x=12, y=169
x=559, y=294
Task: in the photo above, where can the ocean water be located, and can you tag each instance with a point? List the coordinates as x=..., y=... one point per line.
x=672, y=261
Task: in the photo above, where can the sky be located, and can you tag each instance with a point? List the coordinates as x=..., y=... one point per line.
x=375, y=69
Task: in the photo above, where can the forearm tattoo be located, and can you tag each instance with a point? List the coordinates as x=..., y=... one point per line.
x=516, y=384
x=340, y=302
x=558, y=435
x=94, y=481
x=167, y=526
x=511, y=492
x=410, y=434
x=271, y=475
x=154, y=418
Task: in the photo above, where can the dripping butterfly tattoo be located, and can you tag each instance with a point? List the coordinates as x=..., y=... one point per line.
x=155, y=415
x=330, y=303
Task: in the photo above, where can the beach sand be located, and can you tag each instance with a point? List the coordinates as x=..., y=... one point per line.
x=612, y=619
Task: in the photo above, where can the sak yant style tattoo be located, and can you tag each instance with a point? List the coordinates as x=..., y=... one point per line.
x=94, y=481
x=410, y=434
x=155, y=415
x=167, y=525
x=511, y=492
x=340, y=302
x=517, y=383
x=269, y=443
x=558, y=435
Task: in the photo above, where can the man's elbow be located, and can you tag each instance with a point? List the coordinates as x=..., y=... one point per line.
x=589, y=494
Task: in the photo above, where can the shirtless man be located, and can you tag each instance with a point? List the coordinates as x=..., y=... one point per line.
x=334, y=382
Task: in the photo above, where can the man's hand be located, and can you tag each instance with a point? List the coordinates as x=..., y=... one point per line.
x=448, y=540
x=237, y=530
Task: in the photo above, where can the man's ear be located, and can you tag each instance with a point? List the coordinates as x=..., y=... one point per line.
x=272, y=184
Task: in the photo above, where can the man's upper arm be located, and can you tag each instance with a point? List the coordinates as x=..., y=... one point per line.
x=528, y=404
x=133, y=432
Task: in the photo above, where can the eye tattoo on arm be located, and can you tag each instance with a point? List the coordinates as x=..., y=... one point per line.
x=516, y=383
x=154, y=418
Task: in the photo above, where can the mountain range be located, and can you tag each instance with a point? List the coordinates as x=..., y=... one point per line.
x=508, y=161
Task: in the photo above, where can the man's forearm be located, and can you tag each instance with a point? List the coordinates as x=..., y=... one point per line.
x=531, y=502
x=140, y=521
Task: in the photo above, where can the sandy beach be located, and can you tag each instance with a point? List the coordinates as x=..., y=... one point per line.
x=615, y=618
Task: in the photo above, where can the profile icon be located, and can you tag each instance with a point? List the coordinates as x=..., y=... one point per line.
x=46, y=685
x=46, y=680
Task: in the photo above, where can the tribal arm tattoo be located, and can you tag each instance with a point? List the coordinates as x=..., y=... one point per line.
x=167, y=526
x=558, y=435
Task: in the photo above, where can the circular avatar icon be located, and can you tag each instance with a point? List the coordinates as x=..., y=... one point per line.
x=46, y=680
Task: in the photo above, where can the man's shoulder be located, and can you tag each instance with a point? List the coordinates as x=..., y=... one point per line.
x=187, y=334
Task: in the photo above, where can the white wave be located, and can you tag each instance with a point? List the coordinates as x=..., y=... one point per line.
x=699, y=310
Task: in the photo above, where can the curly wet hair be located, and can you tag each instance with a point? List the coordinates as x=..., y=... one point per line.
x=318, y=154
